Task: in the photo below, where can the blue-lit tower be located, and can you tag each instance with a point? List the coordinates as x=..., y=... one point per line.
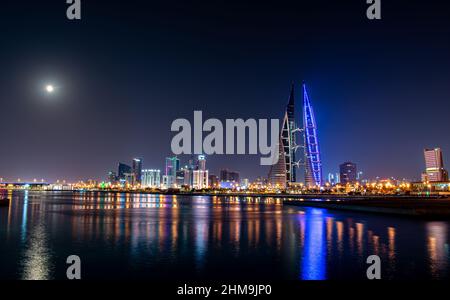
x=313, y=162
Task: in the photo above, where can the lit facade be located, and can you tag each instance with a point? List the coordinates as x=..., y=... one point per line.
x=434, y=166
x=348, y=172
x=313, y=162
x=151, y=178
x=172, y=167
x=284, y=171
x=200, y=179
x=137, y=169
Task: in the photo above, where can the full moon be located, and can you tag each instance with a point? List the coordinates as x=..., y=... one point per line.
x=50, y=88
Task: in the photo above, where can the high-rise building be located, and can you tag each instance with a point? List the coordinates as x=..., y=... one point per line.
x=123, y=169
x=213, y=180
x=347, y=172
x=172, y=167
x=227, y=175
x=284, y=171
x=130, y=178
x=223, y=175
x=313, y=161
x=137, y=169
x=112, y=177
x=151, y=178
x=359, y=176
x=201, y=163
x=331, y=178
x=200, y=179
x=245, y=183
x=434, y=165
x=181, y=176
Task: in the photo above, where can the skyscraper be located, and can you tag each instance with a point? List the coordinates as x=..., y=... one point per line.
x=172, y=166
x=348, y=172
x=200, y=179
x=434, y=165
x=151, y=178
x=227, y=175
x=284, y=171
x=213, y=180
x=137, y=169
x=201, y=163
x=112, y=177
x=123, y=169
x=313, y=162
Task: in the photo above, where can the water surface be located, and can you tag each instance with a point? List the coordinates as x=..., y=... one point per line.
x=141, y=236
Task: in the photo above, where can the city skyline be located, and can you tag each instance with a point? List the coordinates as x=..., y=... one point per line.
x=367, y=88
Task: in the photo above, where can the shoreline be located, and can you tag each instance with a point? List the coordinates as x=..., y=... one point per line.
x=432, y=206
x=419, y=208
x=263, y=195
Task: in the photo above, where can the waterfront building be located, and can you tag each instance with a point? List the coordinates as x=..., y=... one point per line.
x=312, y=156
x=165, y=182
x=227, y=175
x=137, y=169
x=112, y=177
x=123, y=169
x=172, y=166
x=151, y=178
x=129, y=178
x=245, y=183
x=331, y=178
x=180, y=178
x=213, y=181
x=348, y=173
x=200, y=179
x=284, y=171
x=359, y=176
x=434, y=166
x=201, y=163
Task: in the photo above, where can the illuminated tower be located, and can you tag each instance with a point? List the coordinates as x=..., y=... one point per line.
x=137, y=169
x=283, y=171
x=434, y=165
x=313, y=162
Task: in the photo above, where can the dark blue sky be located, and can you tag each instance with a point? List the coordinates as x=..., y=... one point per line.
x=129, y=68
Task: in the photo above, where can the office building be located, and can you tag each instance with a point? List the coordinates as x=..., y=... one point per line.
x=213, y=181
x=151, y=178
x=227, y=175
x=137, y=169
x=112, y=177
x=200, y=179
x=312, y=156
x=348, y=173
x=284, y=171
x=172, y=167
x=122, y=169
x=434, y=166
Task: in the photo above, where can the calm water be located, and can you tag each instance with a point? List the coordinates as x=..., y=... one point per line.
x=127, y=236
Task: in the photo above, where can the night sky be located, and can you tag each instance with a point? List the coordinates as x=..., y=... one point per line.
x=380, y=89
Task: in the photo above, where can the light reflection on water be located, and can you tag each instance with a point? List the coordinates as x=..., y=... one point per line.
x=120, y=235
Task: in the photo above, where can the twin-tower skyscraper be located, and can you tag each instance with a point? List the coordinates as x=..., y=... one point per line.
x=283, y=173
